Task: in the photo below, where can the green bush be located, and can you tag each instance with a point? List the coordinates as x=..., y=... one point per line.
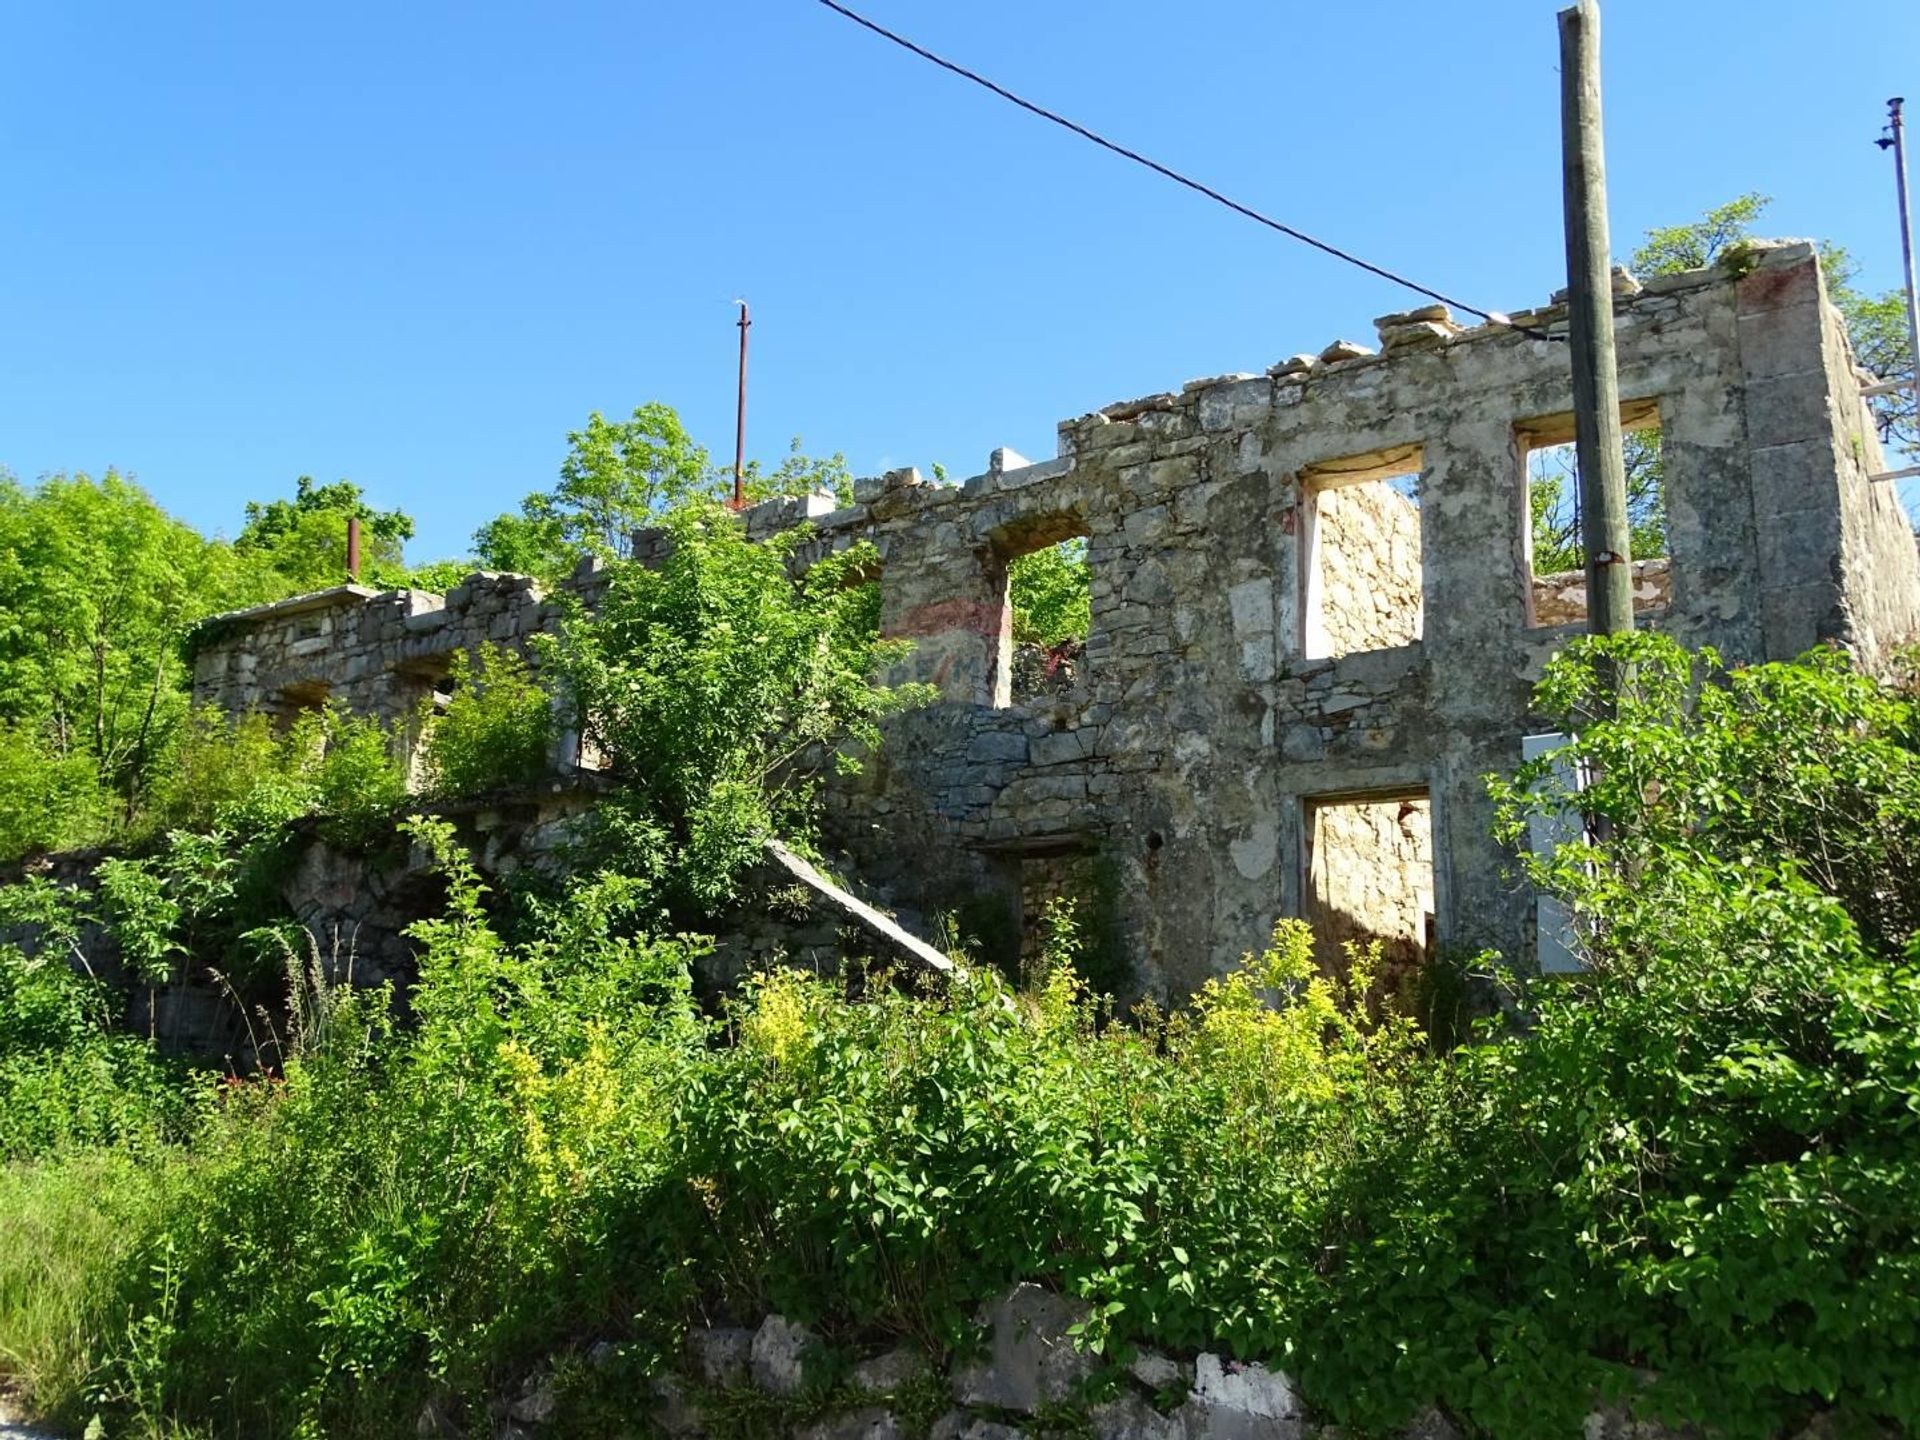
x=1691, y=1177
x=708, y=682
x=68, y=1078
x=497, y=730
x=412, y=1213
x=48, y=802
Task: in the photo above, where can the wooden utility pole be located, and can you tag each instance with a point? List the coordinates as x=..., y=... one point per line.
x=1596, y=378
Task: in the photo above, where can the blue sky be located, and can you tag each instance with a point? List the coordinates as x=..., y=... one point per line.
x=414, y=244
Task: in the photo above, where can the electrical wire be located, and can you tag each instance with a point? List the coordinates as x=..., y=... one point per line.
x=1492, y=317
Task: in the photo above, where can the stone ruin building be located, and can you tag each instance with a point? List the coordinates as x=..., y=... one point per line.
x=1315, y=624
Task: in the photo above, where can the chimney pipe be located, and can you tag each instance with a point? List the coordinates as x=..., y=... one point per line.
x=353, y=548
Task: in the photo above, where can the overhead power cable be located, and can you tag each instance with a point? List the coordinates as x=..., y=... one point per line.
x=1494, y=317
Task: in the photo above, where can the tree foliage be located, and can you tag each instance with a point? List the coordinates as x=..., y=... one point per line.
x=622, y=475
x=98, y=586
x=496, y=730
x=704, y=682
x=299, y=545
x=1051, y=594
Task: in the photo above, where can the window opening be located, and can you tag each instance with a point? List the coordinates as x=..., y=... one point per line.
x=1370, y=878
x=1557, y=554
x=1361, y=557
x=1048, y=590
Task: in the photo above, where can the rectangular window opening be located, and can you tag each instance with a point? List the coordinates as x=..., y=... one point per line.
x=1360, y=566
x=1369, y=879
x=1049, y=597
x=1556, y=551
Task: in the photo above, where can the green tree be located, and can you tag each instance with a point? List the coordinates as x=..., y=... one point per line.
x=708, y=680
x=620, y=476
x=300, y=545
x=497, y=728
x=1051, y=594
x=617, y=475
x=98, y=587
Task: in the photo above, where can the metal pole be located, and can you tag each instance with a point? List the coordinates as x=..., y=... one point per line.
x=353, y=547
x=740, y=417
x=1596, y=379
x=1899, y=145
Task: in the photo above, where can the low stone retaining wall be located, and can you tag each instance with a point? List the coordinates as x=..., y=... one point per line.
x=1027, y=1378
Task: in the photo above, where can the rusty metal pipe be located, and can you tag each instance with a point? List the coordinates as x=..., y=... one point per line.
x=353, y=548
x=740, y=418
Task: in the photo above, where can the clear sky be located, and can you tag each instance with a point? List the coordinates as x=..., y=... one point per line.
x=413, y=244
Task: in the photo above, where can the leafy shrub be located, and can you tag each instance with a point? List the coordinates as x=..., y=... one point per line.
x=1811, y=763
x=247, y=776
x=408, y=1213
x=497, y=730
x=225, y=768
x=358, y=781
x=68, y=1079
x=899, y=1159
x=48, y=802
x=705, y=682
x=1690, y=1177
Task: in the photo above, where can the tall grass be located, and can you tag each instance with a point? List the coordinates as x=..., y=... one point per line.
x=71, y=1228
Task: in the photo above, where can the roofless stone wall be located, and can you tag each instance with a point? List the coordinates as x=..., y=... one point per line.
x=1255, y=654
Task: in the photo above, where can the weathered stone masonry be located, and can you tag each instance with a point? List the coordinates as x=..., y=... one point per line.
x=1203, y=733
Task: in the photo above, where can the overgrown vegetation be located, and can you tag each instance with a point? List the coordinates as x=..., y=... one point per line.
x=497, y=729
x=1690, y=1177
x=102, y=591
x=705, y=682
x=622, y=475
x=1051, y=594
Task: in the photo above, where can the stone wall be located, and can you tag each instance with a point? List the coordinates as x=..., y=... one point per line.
x=1198, y=727
x=1028, y=1377
x=1561, y=598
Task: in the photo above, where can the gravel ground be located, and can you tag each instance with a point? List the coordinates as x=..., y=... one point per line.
x=12, y=1427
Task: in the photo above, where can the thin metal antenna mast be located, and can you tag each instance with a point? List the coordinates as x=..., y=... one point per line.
x=1895, y=140
x=740, y=417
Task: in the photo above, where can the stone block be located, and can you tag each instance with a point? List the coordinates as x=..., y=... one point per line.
x=1030, y=1359
x=1063, y=748
x=1344, y=350
x=720, y=1356
x=779, y=1356
x=537, y=1401
x=890, y=1370
x=673, y=1411
x=1131, y=1418
x=1434, y=314
x=1780, y=342
x=1431, y=1424
x=959, y=1425
x=1236, y=1401
x=1159, y=1371
x=869, y=1423
x=998, y=747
